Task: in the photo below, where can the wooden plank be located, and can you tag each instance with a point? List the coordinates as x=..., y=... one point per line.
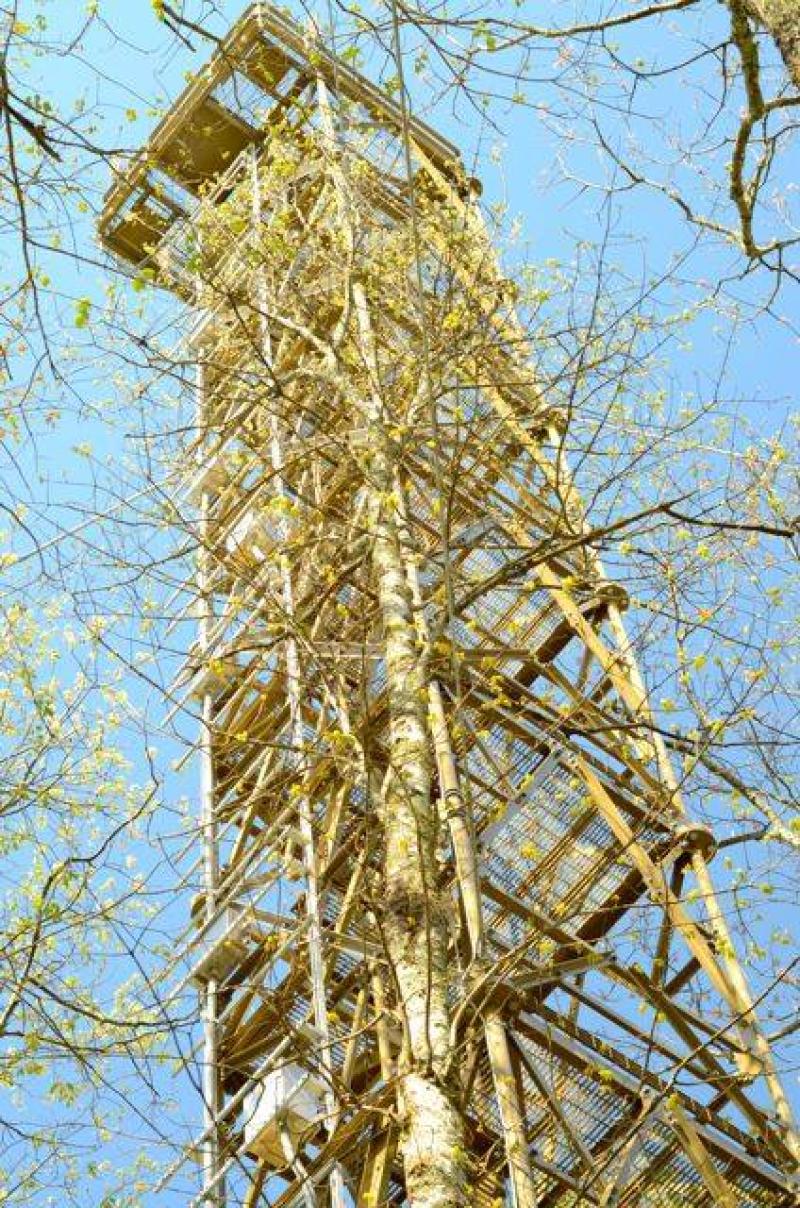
x=377, y=1169
x=512, y=1112
x=721, y=1193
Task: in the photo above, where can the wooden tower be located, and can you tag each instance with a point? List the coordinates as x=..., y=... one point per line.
x=456, y=940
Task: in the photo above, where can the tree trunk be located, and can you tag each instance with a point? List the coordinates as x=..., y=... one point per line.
x=414, y=916
x=413, y=912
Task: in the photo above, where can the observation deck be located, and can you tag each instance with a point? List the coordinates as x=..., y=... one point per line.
x=259, y=79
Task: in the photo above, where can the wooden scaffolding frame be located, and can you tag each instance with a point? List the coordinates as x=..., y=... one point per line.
x=359, y=357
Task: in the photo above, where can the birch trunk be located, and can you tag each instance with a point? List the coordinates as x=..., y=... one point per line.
x=413, y=912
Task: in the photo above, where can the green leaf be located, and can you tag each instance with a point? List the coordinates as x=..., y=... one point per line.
x=143, y=278
x=82, y=308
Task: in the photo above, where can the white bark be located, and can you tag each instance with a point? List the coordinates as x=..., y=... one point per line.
x=414, y=916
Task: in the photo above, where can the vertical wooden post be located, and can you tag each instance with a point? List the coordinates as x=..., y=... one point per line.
x=294, y=686
x=210, y=1079
x=512, y=1112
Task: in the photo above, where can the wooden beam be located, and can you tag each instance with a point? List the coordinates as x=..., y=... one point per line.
x=551, y=1099
x=722, y=1194
x=377, y=1169
x=683, y=923
x=512, y=1112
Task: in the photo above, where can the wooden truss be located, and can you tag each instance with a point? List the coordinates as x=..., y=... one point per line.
x=358, y=358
